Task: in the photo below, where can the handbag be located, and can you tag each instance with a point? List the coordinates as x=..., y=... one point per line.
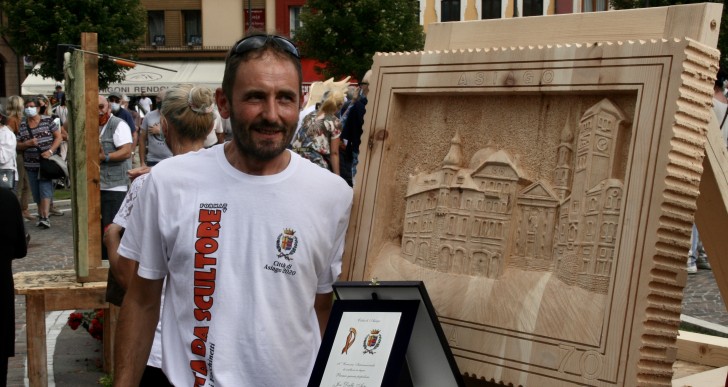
x=53, y=168
x=7, y=178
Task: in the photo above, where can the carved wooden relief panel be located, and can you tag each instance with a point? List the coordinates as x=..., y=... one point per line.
x=545, y=196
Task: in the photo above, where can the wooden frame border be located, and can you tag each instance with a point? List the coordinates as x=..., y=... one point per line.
x=672, y=78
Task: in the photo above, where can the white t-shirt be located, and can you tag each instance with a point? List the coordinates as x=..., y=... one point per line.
x=155, y=356
x=145, y=103
x=244, y=258
x=8, y=142
x=122, y=136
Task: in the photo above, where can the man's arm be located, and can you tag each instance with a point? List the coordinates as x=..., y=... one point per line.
x=122, y=268
x=322, y=305
x=135, y=330
x=120, y=154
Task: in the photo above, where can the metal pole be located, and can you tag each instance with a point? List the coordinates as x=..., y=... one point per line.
x=114, y=58
x=250, y=15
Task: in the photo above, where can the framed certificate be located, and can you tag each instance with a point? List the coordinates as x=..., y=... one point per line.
x=365, y=343
x=429, y=360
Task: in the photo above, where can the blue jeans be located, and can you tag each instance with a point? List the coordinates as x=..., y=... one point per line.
x=354, y=163
x=40, y=188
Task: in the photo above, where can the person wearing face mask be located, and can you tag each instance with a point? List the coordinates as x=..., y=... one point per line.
x=38, y=136
x=152, y=147
x=45, y=109
x=115, y=161
x=115, y=102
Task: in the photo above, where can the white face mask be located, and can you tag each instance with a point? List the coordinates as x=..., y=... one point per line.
x=115, y=107
x=31, y=111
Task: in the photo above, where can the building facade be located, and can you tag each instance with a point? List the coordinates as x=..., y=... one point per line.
x=184, y=30
x=432, y=11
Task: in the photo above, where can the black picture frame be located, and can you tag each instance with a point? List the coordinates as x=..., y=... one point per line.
x=396, y=360
x=429, y=357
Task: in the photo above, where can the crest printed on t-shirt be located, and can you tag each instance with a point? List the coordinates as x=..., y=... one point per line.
x=287, y=243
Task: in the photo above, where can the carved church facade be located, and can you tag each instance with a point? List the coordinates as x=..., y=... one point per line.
x=480, y=220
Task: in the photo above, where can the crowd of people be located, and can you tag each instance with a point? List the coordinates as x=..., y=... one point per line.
x=200, y=224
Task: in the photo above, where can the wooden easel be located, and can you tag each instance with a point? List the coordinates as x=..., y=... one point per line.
x=85, y=286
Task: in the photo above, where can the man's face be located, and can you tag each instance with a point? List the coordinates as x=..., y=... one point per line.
x=103, y=106
x=263, y=110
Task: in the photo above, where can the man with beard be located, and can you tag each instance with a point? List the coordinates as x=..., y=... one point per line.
x=249, y=234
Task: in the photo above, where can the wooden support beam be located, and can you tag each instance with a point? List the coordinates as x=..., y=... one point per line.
x=702, y=349
x=712, y=212
x=712, y=378
x=37, y=352
x=82, y=84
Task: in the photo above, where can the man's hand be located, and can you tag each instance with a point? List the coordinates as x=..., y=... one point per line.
x=155, y=129
x=136, y=172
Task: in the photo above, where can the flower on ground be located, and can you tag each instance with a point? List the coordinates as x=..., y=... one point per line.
x=75, y=320
x=92, y=321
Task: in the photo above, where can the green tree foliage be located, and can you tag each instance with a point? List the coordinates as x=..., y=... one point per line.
x=345, y=34
x=34, y=29
x=722, y=37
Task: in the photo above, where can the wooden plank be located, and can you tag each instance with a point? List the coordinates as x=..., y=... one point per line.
x=91, y=135
x=702, y=349
x=75, y=92
x=697, y=21
x=111, y=316
x=712, y=378
x=79, y=298
x=712, y=206
x=36, y=340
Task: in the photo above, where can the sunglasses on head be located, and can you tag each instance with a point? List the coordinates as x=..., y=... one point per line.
x=255, y=42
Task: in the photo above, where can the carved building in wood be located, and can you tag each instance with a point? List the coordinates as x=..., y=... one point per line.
x=482, y=219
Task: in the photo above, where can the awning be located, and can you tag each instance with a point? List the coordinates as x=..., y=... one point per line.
x=151, y=80
x=147, y=79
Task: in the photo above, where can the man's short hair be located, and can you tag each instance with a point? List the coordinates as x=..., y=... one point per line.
x=272, y=45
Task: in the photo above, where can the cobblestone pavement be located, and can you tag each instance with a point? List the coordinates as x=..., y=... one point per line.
x=702, y=299
x=75, y=357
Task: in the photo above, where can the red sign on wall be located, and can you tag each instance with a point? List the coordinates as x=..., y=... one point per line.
x=257, y=19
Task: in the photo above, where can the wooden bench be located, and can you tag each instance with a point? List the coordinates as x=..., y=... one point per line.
x=47, y=291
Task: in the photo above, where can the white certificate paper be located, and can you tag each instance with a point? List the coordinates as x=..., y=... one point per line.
x=361, y=349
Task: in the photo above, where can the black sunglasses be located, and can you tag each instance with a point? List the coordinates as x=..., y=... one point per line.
x=255, y=42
